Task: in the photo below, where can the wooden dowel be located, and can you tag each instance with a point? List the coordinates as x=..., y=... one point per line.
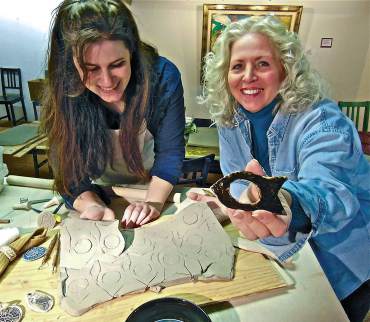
x=49, y=250
x=56, y=254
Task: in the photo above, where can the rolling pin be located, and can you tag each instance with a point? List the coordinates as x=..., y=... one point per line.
x=140, y=194
x=133, y=192
x=30, y=182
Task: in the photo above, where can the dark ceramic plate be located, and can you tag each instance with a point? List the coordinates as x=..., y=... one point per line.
x=168, y=309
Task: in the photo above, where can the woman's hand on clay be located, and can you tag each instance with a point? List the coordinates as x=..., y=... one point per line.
x=259, y=223
x=212, y=202
x=139, y=213
x=98, y=212
x=218, y=209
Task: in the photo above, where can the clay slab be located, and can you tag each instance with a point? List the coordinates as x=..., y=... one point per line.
x=100, y=262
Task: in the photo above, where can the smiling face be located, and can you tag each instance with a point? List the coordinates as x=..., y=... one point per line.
x=255, y=71
x=108, y=71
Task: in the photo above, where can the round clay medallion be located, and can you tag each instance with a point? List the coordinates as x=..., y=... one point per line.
x=39, y=301
x=46, y=219
x=10, y=313
x=34, y=253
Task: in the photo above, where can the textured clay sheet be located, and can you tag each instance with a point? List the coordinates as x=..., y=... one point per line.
x=99, y=262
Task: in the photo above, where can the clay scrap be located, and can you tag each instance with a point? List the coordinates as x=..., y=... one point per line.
x=99, y=262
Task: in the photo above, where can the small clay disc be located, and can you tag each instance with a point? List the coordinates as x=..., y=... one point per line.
x=39, y=301
x=34, y=253
x=11, y=313
x=46, y=219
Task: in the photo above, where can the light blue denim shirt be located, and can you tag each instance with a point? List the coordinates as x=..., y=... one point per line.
x=320, y=152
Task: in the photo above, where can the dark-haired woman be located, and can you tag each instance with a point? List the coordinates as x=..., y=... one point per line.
x=113, y=111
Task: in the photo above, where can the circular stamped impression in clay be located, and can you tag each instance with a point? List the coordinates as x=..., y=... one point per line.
x=39, y=301
x=83, y=246
x=168, y=309
x=10, y=313
x=34, y=253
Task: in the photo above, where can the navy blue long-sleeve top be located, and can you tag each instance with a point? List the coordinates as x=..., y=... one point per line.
x=165, y=118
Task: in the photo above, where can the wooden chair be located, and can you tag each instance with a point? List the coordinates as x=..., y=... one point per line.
x=12, y=92
x=40, y=150
x=199, y=122
x=359, y=113
x=196, y=170
x=36, y=105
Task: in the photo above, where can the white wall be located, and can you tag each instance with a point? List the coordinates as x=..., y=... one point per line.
x=175, y=28
x=24, y=29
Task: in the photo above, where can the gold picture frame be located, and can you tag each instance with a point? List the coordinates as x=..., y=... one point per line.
x=217, y=16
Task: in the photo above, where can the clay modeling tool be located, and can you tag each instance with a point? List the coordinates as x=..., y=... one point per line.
x=39, y=238
x=57, y=217
x=269, y=189
x=57, y=208
x=53, y=202
x=10, y=252
x=56, y=254
x=25, y=204
x=49, y=250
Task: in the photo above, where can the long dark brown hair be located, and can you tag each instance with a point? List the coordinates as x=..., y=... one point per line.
x=73, y=117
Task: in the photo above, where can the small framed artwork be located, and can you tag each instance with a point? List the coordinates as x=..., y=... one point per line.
x=217, y=17
x=326, y=42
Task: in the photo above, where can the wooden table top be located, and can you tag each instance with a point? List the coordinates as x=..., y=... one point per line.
x=20, y=150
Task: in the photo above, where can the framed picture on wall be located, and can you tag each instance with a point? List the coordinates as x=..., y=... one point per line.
x=217, y=16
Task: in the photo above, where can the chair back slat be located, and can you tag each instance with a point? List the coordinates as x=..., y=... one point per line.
x=358, y=112
x=12, y=92
x=353, y=114
x=365, y=126
x=198, y=170
x=11, y=79
x=357, y=117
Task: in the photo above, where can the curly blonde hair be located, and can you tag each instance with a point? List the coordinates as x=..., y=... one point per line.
x=301, y=88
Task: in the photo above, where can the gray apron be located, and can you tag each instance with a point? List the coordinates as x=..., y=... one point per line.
x=118, y=173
